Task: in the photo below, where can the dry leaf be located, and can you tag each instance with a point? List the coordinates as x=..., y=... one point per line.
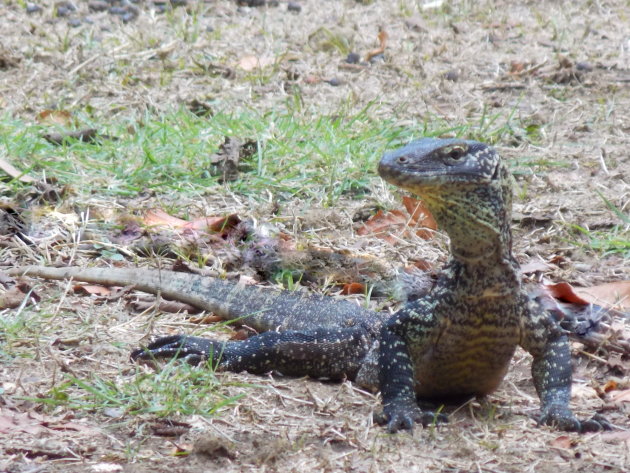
x=353, y=288
x=382, y=224
x=612, y=295
x=251, y=62
x=92, y=289
x=420, y=216
x=12, y=298
x=610, y=386
x=534, y=267
x=156, y=217
x=215, y=224
x=422, y=265
x=54, y=117
x=564, y=291
x=382, y=41
x=564, y=441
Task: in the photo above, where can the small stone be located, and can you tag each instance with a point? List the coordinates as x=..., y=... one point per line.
x=584, y=66
x=98, y=6
x=377, y=58
x=353, y=58
x=251, y=3
x=452, y=75
x=294, y=7
x=334, y=82
x=74, y=22
x=129, y=16
x=32, y=8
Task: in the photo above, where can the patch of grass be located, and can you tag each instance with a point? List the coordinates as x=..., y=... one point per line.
x=616, y=240
x=318, y=158
x=300, y=154
x=176, y=389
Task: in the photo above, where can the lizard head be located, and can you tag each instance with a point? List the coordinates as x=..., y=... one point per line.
x=432, y=162
x=465, y=185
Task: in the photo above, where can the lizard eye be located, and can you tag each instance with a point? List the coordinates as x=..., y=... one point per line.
x=456, y=153
x=402, y=159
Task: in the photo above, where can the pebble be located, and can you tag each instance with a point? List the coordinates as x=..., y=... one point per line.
x=353, y=58
x=452, y=75
x=98, y=5
x=294, y=7
x=32, y=8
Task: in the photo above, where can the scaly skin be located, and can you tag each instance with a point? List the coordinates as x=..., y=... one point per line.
x=455, y=342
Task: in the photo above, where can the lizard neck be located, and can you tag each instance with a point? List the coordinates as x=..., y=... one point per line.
x=477, y=220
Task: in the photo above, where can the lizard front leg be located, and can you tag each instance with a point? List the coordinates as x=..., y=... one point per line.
x=552, y=374
x=396, y=372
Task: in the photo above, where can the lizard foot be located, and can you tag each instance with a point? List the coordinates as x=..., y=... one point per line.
x=193, y=350
x=562, y=418
x=404, y=414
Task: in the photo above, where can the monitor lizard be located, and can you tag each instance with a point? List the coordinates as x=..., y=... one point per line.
x=456, y=342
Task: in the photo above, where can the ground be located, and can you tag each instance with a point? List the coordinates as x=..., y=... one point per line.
x=546, y=82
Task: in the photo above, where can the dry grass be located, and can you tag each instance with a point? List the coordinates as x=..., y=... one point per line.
x=564, y=129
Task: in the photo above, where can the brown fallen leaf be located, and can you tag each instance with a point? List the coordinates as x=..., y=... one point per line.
x=564, y=292
x=92, y=289
x=55, y=117
x=142, y=304
x=563, y=441
x=12, y=298
x=18, y=422
x=420, y=216
x=206, y=319
x=382, y=39
x=158, y=217
x=534, y=267
x=353, y=288
x=383, y=225
x=614, y=294
x=250, y=62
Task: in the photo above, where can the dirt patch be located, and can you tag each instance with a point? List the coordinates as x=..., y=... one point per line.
x=560, y=70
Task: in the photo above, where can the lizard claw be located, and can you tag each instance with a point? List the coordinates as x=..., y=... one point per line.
x=404, y=414
x=597, y=423
x=194, y=350
x=562, y=418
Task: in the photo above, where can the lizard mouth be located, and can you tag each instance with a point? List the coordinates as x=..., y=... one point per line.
x=415, y=178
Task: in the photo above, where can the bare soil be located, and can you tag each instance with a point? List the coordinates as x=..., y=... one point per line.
x=560, y=68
